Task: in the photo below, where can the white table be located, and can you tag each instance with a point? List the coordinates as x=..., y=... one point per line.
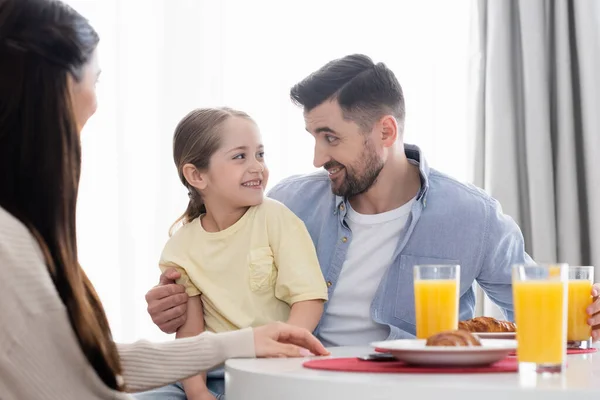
x=286, y=379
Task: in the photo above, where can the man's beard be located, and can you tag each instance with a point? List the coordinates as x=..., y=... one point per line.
x=354, y=183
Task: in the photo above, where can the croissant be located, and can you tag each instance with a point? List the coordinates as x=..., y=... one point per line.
x=453, y=338
x=486, y=324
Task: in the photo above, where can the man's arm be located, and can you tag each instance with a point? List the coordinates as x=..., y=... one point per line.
x=503, y=246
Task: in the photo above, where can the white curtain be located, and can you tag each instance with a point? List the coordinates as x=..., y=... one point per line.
x=162, y=58
x=535, y=101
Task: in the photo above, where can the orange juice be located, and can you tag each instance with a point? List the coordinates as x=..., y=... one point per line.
x=436, y=306
x=539, y=314
x=580, y=297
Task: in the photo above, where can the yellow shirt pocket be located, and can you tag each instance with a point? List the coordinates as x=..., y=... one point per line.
x=262, y=269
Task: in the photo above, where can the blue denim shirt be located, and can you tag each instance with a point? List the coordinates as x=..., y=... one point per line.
x=450, y=223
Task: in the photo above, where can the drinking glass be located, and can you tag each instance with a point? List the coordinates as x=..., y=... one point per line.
x=436, y=298
x=540, y=295
x=579, y=333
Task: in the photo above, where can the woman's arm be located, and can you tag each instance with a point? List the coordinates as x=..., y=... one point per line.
x=149, y=365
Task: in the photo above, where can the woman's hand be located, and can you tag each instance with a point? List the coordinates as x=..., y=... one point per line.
x=282, y=340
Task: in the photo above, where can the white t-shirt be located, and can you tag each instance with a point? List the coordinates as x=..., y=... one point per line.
x=347, y=320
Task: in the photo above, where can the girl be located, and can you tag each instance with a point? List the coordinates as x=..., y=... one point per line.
x=244, y=259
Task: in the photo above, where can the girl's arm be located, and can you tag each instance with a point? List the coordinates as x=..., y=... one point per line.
x=195, y=386
x=306, y=314
x=300, y=281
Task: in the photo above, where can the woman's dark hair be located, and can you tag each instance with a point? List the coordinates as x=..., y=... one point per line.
x=42, y=43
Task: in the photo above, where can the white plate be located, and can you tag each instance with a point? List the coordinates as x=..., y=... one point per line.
x=414, y=351
x=496, y=335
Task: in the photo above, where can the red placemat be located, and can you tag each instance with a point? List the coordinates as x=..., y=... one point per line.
x=582, y=351
x=569, y=351
x=357, y=365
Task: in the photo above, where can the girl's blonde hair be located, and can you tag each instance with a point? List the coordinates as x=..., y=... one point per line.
x=197, y=137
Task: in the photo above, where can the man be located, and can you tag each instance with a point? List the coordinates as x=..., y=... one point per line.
x=377, y=210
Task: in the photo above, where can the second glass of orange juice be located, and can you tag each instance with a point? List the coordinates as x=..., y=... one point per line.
x=436, y=298
x=580, y=297
x=540, y=304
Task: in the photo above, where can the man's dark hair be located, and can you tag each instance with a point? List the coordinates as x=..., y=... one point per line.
x=364, y=90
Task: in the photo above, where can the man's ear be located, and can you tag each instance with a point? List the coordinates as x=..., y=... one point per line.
x=194, y=177
x=389, y=130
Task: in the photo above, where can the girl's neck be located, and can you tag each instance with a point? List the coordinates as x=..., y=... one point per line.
x=216, y=220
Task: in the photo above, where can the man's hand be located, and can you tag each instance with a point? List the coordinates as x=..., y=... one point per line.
x=594, y=312
x=167, y=302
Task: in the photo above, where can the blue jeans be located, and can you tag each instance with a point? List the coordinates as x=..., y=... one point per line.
x=215, y=382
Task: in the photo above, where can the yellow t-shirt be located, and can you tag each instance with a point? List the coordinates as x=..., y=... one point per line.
x=250, y=273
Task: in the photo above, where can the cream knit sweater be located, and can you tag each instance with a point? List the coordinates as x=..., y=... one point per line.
x=40, y=357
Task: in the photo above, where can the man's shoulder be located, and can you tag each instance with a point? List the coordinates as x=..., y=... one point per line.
x=455, y=202
x=272, y=210
x=308, y=196
x=313, y=179
x=302, y=187
x=458, y=194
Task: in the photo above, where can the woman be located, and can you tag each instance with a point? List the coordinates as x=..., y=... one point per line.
x=55, y=341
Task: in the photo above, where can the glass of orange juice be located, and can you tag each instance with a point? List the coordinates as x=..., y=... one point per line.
x=540, y=302
x=436, y=298
x=580, y=297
